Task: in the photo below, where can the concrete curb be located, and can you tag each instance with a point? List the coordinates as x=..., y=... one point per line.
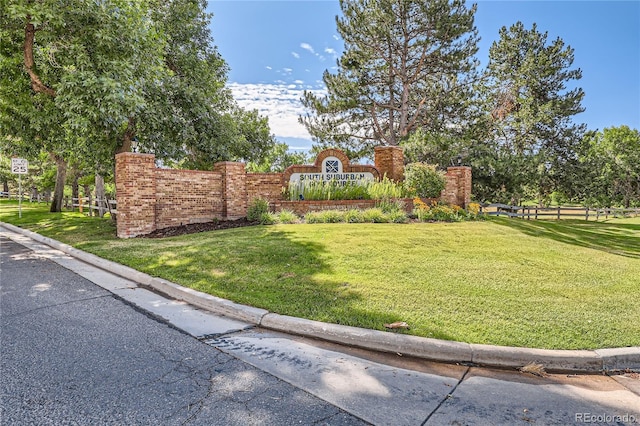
x=577, y=361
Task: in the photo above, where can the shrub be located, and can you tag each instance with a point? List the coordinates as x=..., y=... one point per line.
x=374, y=215
x=424, y=179
x=390, y=206
x=332, y=216
x=386, y=189
x=334, y=190
x=353, y=216
x=287, y=216
x=397, y=216
x=313, y=217
x=256, y=208
x=473, y=209
x=267, y=218
x=327, y=190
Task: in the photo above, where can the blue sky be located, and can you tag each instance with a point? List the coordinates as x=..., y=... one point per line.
x=277, y=49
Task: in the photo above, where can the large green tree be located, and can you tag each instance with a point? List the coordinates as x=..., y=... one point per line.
x=72, y=74
x=530, y=101
x=84, y=78
x=609, y=168
x=406, y=66
x=190, y=114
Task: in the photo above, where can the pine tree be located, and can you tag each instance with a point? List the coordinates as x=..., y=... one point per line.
x=406, y=66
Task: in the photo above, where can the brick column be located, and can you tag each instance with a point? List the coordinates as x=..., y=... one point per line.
x=234, y=189
x=458, y=188
x=389, y=160
x=136, y=194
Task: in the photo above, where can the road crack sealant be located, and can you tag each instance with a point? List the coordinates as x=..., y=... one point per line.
x=447, y=396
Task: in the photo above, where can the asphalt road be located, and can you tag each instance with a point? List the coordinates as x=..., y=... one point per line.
x=73, y=353
x=79, y=345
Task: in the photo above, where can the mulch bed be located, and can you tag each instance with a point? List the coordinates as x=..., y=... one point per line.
x=193, y=228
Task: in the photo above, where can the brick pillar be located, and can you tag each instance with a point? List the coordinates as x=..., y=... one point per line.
x=458, y=187
x=136, y=194
x=389, y=160
x=234, y=189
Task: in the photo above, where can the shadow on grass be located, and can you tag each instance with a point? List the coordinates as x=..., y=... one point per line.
x=268, y=268
x=616, y=238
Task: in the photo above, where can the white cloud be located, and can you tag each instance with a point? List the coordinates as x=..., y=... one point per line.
x=330, y=51
x=268, y=67
x=299, y=82
x=279, y=102
x=335, y=37
x=307, y=46
x=295, y=55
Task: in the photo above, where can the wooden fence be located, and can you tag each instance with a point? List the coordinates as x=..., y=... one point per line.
x=535, y=212
x=39, y=198
x=90, y=205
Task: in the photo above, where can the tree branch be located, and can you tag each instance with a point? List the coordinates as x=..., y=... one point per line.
x=29, y=37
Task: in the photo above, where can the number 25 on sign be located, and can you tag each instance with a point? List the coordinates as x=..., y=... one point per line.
x=19, y=166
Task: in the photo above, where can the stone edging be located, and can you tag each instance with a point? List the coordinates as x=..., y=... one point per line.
x=584, y=361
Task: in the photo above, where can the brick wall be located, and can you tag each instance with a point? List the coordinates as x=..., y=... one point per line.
x=234, y=189
x=458, y=188
x=267, y=186
x=389, y=160
x=187, y=196
x=150, y=198
x=136, y=193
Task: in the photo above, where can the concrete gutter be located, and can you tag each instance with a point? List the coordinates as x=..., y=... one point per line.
x=576, y=361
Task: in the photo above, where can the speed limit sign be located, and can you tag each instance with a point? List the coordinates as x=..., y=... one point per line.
x=19, y=166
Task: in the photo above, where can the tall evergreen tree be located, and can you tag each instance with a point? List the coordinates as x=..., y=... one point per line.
x=406, y=66
x=530, y=103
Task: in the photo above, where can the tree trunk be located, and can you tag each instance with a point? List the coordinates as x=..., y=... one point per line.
x=75, y=188
x=58, y=192
x=100, y=195
x=5, y=186
x=128, y=136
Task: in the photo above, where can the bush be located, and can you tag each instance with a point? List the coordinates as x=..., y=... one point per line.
x=313, y=217
x=332, y=216
x=287, y=216
x=256, y=208
x=397, y=216
x=334, y=190
x=424, y=179
x=386, y=189
x=267, y=218
x=375, y=215
x=390, y=206
x=353, y=216
x=326, y=190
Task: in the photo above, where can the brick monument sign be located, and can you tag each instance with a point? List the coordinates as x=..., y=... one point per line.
x=151, y=198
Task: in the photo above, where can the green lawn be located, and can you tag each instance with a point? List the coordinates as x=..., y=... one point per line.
x=563, y=285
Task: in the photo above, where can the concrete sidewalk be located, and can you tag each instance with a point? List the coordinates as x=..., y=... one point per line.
x=579, y=361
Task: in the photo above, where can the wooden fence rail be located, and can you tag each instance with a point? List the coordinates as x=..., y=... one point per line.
x=92, y=205
x=38, y=198
x=535, y=212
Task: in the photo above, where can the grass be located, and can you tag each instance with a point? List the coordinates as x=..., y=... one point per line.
x=557, y=285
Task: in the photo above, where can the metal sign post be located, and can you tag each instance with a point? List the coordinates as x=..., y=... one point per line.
x=19, y=166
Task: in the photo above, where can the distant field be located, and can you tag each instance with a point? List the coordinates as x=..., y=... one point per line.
x=566, y=284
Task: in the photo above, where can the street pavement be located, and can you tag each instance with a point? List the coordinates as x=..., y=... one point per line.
x=80, y=345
